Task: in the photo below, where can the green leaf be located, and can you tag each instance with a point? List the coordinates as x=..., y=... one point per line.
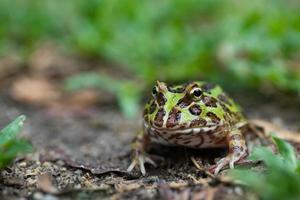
x=246, y=176
x=127, y=92
x=11, y=130
x=286, y=151
x=11, y=149
x=92, y=80
x=10, y=146
x=279, y=171
x=268, y=157
x=128, y=98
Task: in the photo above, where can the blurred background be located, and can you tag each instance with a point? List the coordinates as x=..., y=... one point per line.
x=50, y=50
x=81, y=71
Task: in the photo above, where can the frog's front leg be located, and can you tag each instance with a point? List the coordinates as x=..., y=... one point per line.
x=140, y=157
x=237, y=150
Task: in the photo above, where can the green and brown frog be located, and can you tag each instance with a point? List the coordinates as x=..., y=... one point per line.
x=196, y=115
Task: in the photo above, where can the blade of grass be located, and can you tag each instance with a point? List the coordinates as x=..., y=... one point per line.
x=287, y=151
x=11, y=130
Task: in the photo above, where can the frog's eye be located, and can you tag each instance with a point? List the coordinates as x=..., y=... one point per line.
x=154, y=91
x=196, y=93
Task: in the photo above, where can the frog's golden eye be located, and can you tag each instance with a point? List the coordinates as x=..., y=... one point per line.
x=154, y=91
x=196, y=93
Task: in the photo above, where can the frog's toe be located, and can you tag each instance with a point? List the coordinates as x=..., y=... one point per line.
x=132, y=165
x=232, y=161
x=140, y=161
x=220, y=165
x=150, y=161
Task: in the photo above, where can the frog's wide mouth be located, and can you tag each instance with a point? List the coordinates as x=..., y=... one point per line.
x=185, y=130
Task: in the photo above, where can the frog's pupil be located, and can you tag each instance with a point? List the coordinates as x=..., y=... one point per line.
x=197, y=93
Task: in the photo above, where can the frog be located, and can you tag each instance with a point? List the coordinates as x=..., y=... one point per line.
x=196, y=115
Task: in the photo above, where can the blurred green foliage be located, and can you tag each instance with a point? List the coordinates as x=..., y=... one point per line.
x=10, y=145
x=235, y=43
x=128, y=93
x=281, y=180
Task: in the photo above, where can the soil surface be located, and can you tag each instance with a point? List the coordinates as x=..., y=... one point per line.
x=85, y=155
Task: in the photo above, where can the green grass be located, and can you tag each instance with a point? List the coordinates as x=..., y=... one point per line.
x=280, y=180
x=128, y=92
x=237, y=44
x=10, y=145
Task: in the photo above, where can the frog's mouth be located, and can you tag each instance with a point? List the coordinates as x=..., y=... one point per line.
x=184, y=130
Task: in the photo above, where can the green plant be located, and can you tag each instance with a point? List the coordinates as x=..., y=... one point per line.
x=10, y=145
x=128, y=93
x=280, y=180
x=253, y=43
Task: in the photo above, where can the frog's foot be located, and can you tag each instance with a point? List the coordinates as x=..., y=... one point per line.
x=139, y=160
x=228, y=160
x=237, y=151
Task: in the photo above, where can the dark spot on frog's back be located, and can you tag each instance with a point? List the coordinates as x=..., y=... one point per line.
x=159, y=117
x=176, y=89
x=209, y=101
x=184, y=102
x=161, y=99
x=173, y=118
x=195, y=109
x=214, y=118
x=207, y=87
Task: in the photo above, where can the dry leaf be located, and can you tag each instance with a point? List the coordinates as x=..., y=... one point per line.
x=268, y=128
x=35, y=91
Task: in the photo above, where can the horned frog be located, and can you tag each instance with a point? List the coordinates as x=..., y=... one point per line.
x=196, y=115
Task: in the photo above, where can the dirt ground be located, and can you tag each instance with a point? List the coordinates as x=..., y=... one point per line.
x=85, y=155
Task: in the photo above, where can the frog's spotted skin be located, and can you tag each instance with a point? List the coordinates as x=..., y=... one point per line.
x=196, y=115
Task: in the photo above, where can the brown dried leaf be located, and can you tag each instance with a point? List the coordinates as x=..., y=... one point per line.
x=39, y=91
x=268, y=128
x=35, y=91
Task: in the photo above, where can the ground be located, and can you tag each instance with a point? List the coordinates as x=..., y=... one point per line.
x=84, y=155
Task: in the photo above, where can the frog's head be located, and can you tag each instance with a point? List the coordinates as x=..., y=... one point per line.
x=192, y=105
